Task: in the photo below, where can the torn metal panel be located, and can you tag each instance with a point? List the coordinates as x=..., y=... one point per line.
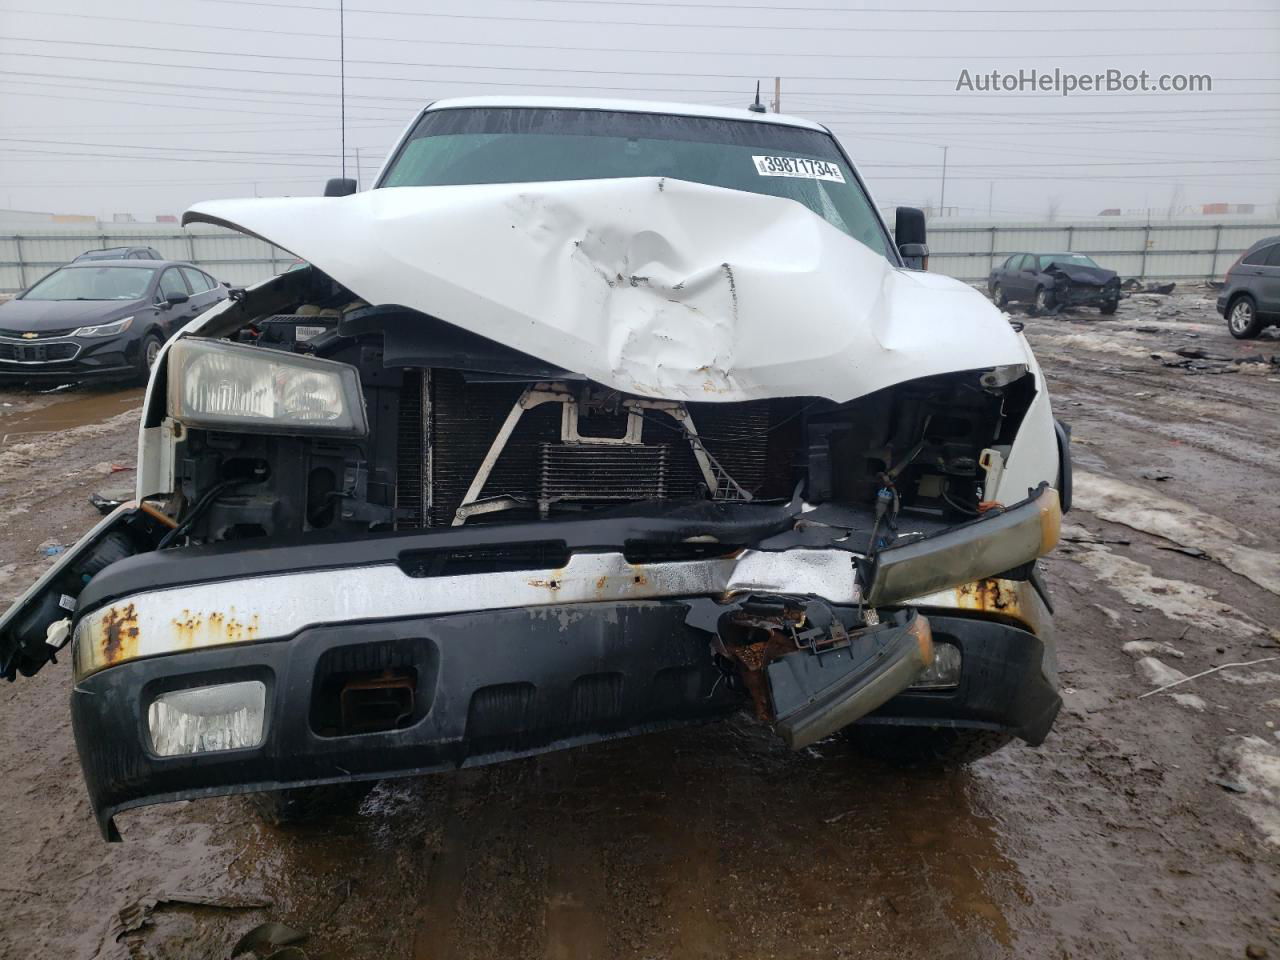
x=656, y=287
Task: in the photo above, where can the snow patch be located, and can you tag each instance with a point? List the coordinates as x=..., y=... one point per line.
x=1255, y=764
x=1140, y=508
x=1189, y=700
x=1176, y=599
x=1157, y=673
x=1144, y=648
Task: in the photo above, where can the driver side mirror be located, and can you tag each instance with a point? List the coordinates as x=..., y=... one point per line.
x=909, y=235
x=173, y=299
x=340, y=187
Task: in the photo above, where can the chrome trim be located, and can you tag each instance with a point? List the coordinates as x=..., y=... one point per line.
x=258, y=608
x=65, y=336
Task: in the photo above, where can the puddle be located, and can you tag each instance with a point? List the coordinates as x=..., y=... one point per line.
x=78, y=409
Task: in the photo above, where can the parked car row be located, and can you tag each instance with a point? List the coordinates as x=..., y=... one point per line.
x=1046, y=282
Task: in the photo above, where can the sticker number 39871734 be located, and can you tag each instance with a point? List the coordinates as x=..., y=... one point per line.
x=798, y=167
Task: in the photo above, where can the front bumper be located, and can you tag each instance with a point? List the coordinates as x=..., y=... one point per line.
x=518, y=660
x=1085, y=295
x=490, y=686
x=68, y=358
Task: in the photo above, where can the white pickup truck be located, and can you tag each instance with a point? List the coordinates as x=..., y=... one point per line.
x=590, y=418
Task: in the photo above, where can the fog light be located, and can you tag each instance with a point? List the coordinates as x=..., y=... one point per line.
x=944, y=671
x=228, y=716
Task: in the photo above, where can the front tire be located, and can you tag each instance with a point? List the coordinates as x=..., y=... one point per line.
x=999, y=297
x=148, y=352
x=1042, y=303
x=936, y=746
x=1242, y=318
x=1110, y=307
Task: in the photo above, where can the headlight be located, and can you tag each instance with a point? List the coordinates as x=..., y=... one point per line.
x=228, y=716
x=104, y=329
x=220, y=385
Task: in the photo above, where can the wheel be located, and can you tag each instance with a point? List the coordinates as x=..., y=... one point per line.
x=998, y=296
x=305, y=804
x=1242, y=318
x=1043, y=302
x=1110, y=306
x=148, y=351
x=940, y=746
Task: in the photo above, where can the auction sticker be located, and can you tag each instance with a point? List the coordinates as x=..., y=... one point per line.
x=798, y=167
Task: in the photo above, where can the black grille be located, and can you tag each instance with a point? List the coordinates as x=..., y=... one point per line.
x=444, y=440
x=598, y=471
x=37, y=352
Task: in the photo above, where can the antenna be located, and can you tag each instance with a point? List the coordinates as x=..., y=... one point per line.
x=757, y=107
x=342, y=82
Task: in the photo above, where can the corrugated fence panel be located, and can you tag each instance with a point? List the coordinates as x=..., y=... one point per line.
x=966, y=249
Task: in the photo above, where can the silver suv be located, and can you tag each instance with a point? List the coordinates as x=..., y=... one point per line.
x=1250, y=298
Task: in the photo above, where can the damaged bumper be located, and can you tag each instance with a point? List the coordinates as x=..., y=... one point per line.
x=390, y=664
x=1074, y=294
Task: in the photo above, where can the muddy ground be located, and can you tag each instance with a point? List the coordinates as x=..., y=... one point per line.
x=1141, y=828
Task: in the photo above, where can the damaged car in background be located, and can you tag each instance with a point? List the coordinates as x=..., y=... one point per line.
x=591, y=418
x=1048, y=282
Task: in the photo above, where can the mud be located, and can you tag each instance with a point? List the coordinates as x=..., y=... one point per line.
x=1116, y=838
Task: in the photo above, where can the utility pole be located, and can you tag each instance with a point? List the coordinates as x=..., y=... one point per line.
x=991, y=189
x=357, y=168
x=942, y=203
x=342, y=82
x=777, y=94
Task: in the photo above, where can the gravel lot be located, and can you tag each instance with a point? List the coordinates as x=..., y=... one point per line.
x=1142, y=828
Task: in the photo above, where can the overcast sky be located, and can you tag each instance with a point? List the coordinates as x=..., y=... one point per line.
x=145, y=106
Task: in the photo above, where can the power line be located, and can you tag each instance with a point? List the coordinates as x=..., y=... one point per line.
x=527, y=84
x=774, y=54
x=913, y=28
x=277, y=57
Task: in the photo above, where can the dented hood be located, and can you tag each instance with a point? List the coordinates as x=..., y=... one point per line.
x=656, y=287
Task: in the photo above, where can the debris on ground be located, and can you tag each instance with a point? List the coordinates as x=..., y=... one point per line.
x=106, y=501
x=267, y=938
x=1176, y=678
x=1134, y=285
x=122, y=939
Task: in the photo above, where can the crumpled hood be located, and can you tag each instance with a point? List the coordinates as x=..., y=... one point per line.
x=1078, y=273
x=656, y=287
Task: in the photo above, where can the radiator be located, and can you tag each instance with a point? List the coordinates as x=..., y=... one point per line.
x=446, y=426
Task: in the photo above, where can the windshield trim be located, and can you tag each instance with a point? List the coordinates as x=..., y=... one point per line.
x=891, y=248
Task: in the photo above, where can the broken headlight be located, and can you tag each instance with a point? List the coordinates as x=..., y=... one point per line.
x=222, y=386
x=228, y=716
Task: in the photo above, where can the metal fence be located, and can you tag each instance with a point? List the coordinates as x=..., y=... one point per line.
x=1151, y=250
x=966, y=249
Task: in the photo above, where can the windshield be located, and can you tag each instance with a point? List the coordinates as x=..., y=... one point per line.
x=522, y=145
x=93, y=283
x=1071, y=259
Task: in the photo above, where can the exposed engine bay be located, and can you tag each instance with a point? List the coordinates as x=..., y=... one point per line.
x=463, y=431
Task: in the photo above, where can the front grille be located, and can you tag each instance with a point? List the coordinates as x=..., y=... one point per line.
x=447, y=425
x=596, y=471
x=37, y=352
